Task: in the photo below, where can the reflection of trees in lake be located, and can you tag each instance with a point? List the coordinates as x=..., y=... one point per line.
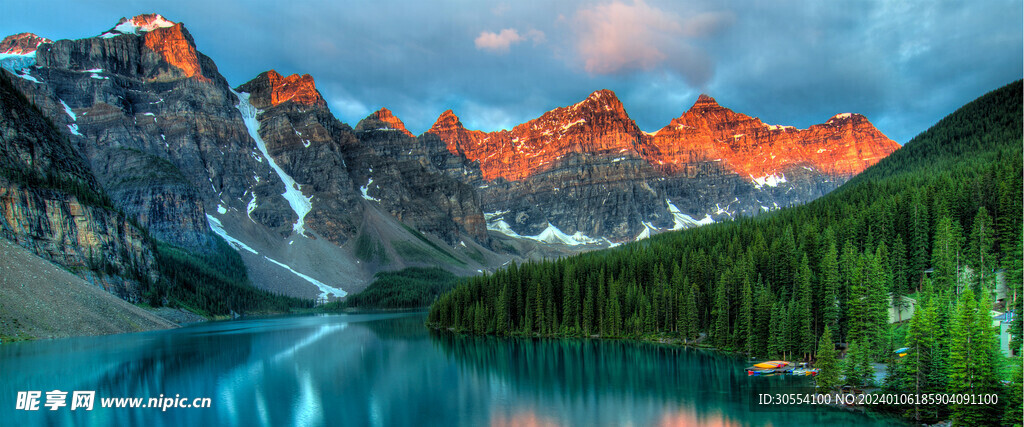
x=576, y=367
x=407, y=327
x=596, y=382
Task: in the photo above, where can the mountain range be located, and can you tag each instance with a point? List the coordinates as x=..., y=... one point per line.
x=315, y=207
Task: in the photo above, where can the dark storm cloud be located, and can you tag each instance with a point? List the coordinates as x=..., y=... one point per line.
x=904, y=64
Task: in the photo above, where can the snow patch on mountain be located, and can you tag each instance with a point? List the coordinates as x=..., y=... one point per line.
x=251, y=207
x=138, y=25
x=780, y=127
x=69, y=111
x=491, y=215
x=682, y=221
x=17, y=64
x=502, y=227
x=566, y=126
x=365, y=190
x=73, y=128
x=218, y=228
x=292, y=190
x=324, y=289
x=551, y=234
x=647, y=231
x=772, y=180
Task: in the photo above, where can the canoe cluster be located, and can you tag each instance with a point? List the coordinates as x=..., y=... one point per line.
x=779, y=367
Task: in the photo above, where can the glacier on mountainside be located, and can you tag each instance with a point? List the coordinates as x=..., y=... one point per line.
x=292, y=190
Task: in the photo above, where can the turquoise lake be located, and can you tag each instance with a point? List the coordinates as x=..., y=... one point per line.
x=389, y=369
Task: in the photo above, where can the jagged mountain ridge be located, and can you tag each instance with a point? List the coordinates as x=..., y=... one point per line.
x=305, y=197
x=270, y=168
x=588, y=170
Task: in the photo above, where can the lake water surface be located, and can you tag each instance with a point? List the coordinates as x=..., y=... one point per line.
x=388, y=369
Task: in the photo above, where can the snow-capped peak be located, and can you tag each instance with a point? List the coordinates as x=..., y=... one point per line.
x=21, y=44
x=840, y=116
x=139, y=24
x=603, y=99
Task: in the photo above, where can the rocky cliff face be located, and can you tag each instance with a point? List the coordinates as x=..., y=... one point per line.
x=841, y=147
x=267, y=168
x=49, y=204
x=307, y=143
x=341, y=169
x=420, y=182
x=598, y=125
x=270, y=89
x=160, y=129
x=21, y=44
x=587, y=170
x=141, y=93
x=306, y=198
x=383, y=119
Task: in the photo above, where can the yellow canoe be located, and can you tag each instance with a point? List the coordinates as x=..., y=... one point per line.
x=771, y=364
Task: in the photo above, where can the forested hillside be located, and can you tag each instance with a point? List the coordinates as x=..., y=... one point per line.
x=939, y=220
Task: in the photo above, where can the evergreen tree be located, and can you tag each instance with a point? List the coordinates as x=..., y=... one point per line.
x=918, y=260
x=973, y=360
x=530, y=313
x=827, y=378
x=802, y=312
x=785, y=261
x=502, y=327
x=917, y=366
x=614, y=310
x=878, y=284
x=850, y=277
x=980, y=251
x=744, y=323
x=900, y=289
x=856, y=310
x=939, y=375
x=828, y=301
x=571, y=305
x=720, y=316
x=1013, y=268
x=946, y=255
x=1014, y=411
x=689, y=315
x=763, y=313
x=776, y=335
x=588, y=312
x=857, y=369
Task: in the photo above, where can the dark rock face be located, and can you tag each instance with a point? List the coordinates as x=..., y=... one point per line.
x=48, y=203
x=154, y=191
x=598, y=196
x=150, y=120
x=309, y=144
x=587, y=168
x=152, y=92
x=423, y=184
x=341, y=169
x=172, y=144
x=383, y=119
x=270, y=89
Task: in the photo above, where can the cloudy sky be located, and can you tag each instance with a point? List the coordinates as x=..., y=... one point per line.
x=903, y=63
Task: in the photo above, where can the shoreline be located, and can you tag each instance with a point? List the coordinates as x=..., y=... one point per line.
x=698, y=346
